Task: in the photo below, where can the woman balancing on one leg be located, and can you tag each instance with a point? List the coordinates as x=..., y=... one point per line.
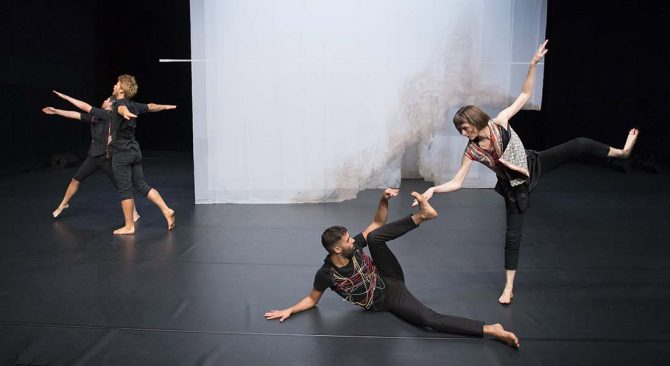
x=495, y=144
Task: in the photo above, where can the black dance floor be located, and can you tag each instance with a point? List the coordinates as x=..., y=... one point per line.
x=593, y=287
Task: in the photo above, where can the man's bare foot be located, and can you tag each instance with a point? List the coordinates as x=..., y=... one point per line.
x=426, y=211
x=136, y=216
x=499, y=332
x=169, y=217
x=630, y=142
x=126, y=230
x=506, y=296
x=60, y=209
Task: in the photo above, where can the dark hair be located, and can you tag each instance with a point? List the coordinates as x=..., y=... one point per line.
x=332, y=236
x=473, y=115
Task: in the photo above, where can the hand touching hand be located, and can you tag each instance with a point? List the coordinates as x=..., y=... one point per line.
x=427, y=195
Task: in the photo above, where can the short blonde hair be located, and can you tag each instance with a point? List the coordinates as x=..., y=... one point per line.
x=128, y=85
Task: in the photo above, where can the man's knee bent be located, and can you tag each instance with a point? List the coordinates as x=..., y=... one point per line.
x=374, y=239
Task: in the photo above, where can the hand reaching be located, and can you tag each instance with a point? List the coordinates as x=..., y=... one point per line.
x=541, y=51
x=60, y=94
x=390, y=193
x=49, y=110
x=427, y=195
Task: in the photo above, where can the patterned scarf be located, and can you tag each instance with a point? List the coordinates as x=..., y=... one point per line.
x=513, y=157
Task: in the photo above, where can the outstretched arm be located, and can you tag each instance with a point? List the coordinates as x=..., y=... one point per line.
x=76, y=102
x=306, y=303
x=526, y=91
x=160, y=107
x=60, y=112
x=382, y=211
x=454, y=184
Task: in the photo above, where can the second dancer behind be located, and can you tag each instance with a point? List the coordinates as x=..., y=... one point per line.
x=98, y=157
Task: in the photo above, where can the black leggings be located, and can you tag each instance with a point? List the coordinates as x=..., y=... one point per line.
x=549, y=160
x=397, y=299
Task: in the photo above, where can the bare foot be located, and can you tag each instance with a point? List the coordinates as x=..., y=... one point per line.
x=169, y=217
x=60, y=209
x=126, y=230
x=506, y=296
x=426, y=211
x=630, y=142
x=136, y=216
x=499, y=332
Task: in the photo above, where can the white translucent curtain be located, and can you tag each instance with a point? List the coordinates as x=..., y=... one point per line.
x=316, y=100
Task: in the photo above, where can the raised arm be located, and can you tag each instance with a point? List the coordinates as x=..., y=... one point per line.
x=76, y=102
x=306, y=303
x=526, y=91
x=60, y=112
x=382, y=211
x=153, y=107
x=454, y=184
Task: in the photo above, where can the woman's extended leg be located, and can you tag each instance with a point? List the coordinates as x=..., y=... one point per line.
x=556, y=156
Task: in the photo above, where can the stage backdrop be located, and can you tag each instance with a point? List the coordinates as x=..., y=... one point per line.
x=314, y=101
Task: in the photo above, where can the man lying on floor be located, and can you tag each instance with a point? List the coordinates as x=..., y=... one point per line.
x=378, y=283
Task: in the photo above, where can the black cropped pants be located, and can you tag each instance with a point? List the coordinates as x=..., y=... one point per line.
x=128, y=172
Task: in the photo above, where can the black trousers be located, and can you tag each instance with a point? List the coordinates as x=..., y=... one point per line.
x=549, y=160
x=92, y=165
x=128, y=172
x=397, y=298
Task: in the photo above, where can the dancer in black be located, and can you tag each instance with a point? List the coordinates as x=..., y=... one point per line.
x=494, y=143
x=98, y=157
x=126, y=153
x=378, y=283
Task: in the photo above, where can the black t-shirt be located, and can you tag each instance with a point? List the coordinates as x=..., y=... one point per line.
x=123, y=131
x=99, y=120
x=325, y=278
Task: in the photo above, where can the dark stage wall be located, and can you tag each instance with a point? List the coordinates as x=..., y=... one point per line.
x=605, y=72
x=79, y=48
